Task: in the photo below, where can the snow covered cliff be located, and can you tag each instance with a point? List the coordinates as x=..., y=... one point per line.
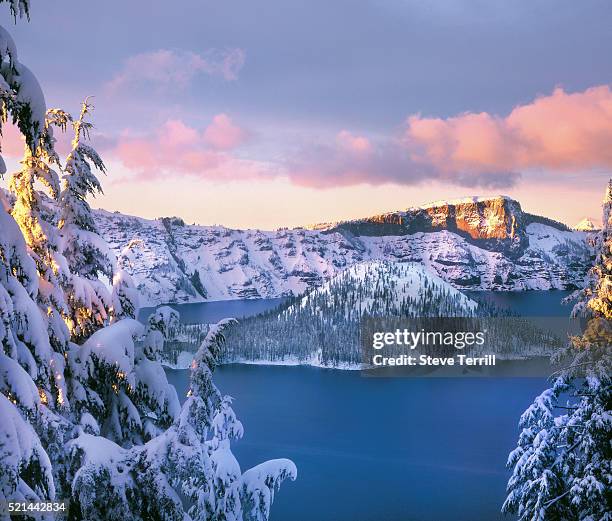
x=475, y=243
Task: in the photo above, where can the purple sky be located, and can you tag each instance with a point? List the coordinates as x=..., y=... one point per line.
x=283, y=113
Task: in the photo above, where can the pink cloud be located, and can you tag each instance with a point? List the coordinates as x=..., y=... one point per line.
x=222, y=134
x=558, y=133
x=176, y=69
x=561, y=132
x=352, y=159
x=349, y=160
x=554, y=134
x=177, y=149
x=352, y=143
x=12, y=141
x=173, y=149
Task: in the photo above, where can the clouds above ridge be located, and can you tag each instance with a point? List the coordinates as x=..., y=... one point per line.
x=167, y=68
x=558, y=133
x=176, y=149
x=353, y=159
x=561, y=132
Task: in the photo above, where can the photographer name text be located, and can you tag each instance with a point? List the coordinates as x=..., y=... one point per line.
x=412, y=340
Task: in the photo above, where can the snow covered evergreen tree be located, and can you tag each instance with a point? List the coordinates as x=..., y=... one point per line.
x=245, y=496
x=31, y=373
x=87, y=254
x=32, y=333
x=125, y=297
x=601, y=303
x=41, y=236
x=97, y=423
x=597, y=294
x=23, y=101
x=562, y=466
x=187, y=472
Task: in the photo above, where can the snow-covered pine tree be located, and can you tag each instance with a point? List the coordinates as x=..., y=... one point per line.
x=87, y=254
x=19, y=8
x=119, y=383
x=31, y=373
x=63, y=404
x=188, y=472
x=601, y=303
x=597, y=293
x=32, y=382
x=237, y=496
x=562, y=466
x=125, y=297
x=41, y=235
x=24, y=103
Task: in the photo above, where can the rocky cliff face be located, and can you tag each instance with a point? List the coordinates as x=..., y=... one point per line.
x=478, y=244
x=494, y=223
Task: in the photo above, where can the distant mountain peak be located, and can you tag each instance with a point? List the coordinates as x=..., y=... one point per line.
x=586, y=225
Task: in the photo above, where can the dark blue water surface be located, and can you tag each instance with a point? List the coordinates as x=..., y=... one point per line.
x=383, y=449
x=527, y=303
x=377, y=449
x=210, y=312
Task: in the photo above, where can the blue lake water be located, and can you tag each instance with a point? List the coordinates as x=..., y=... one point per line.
x=383, y=449
x=378, y=449
x=528, y=303
x=209, y=312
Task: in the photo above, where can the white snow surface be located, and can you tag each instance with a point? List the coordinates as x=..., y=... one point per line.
x=21, y=447
x=31, y=93
x=114, y=345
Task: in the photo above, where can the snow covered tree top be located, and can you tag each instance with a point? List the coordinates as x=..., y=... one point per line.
x=21, y=97
x=7, y=46
x=607, y=208
x=19, y=8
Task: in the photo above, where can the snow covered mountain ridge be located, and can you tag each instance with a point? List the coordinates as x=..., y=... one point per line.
x=473, y=243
